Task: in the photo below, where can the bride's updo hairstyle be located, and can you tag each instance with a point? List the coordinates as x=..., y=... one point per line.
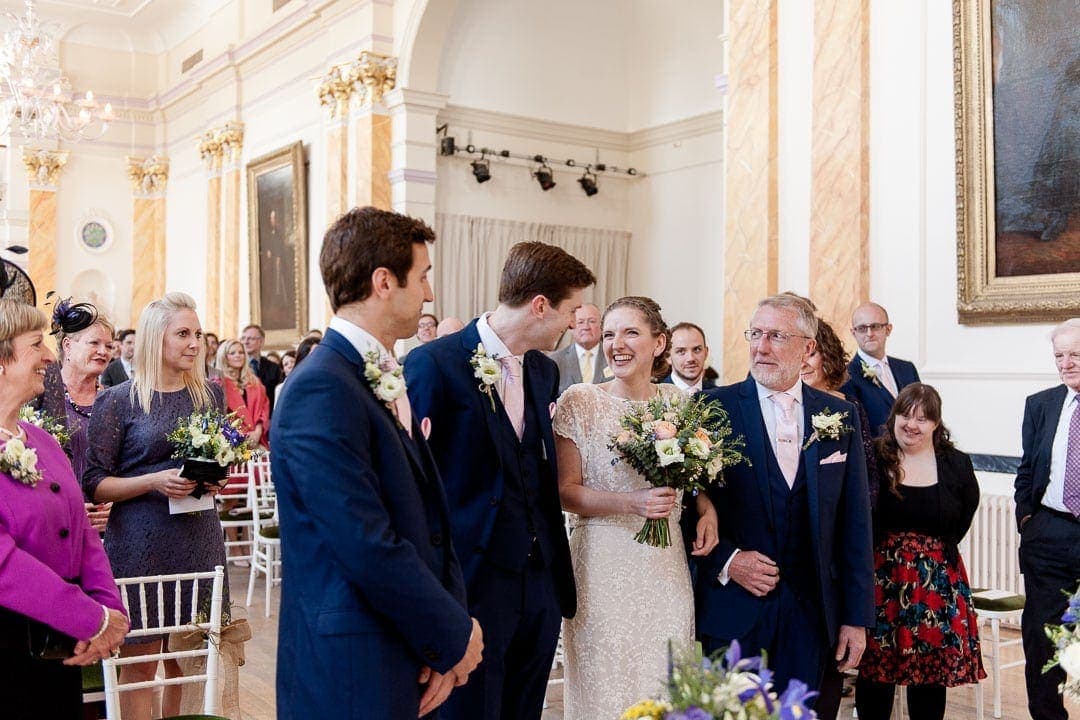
x=650, y=313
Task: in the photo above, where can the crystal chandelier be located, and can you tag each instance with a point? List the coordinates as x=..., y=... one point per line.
x=35, y=98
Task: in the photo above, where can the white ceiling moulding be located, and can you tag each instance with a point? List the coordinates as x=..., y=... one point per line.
x=463, y=119
x=677, y=130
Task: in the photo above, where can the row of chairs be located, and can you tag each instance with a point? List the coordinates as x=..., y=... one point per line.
x=249, y=518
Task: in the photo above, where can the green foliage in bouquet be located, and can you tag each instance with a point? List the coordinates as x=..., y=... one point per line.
x=46, y=422
x=211, y=435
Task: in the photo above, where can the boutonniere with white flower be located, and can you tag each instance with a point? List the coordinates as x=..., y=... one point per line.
x=388, y=384
x=20, y=462
x=828, y=425
x=869, y=372
x=487, y=370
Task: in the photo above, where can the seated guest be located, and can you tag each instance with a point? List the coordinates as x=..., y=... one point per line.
x=689, y=355
x=582, y=361
x=875, y=378
x=51, y=584
x=244, y=394
x=304, y=349
x=448, y=326
x=926, y=634
x=288, y=362
x=314, y=333
x=268, y=371
x=119, y=369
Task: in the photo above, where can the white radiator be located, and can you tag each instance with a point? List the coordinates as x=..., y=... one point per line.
x=991, y=547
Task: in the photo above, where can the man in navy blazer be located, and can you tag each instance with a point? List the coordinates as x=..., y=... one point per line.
x=793, y=573
x=496, y=452
x=875, y=379
x=1047, y=510
x=373, y=617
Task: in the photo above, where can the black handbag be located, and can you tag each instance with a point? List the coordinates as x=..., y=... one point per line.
x=20, y=634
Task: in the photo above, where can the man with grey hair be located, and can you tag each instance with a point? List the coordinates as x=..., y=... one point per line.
x=793, y=573
x=1047, y=510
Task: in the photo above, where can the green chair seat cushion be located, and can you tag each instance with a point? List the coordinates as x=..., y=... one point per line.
x=241, y=515
x=271, y=531
x=93, y=678
x=1006, y=603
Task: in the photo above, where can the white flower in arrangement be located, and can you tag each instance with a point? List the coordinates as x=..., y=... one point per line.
x=828, y=425
x=20, y=462
x=390, y=387
x=697, y=447
x=225, y=456
x=198, y=437
x=485, y=368
x=372, y=372
x=669, y=452
x=28, y=457
x=14, y=448
x=1070, y=659
x=869, y=372
x=715, y=465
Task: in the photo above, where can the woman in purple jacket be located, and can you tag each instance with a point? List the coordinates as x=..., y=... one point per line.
x=59, y=605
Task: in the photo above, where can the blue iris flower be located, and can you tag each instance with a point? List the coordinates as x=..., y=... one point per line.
x=691, y=713
x=793, y=701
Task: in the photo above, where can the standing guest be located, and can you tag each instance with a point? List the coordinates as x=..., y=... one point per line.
x=130, y=463
x=449, y=326
x=71, y=386
x=689, y=358
x=304, y=349
x=54, y=576
x=314, y=333
x=212, y=344
x=496, y=453
x=1048, y=516
x=875, y=378
x=288, y=362
x=268, y=371
x=927, y=633
x=373, y=620
x=244, y=393
x=120, y=369
x=793, y=573
x=274, y=357
x=426, y=328
x=583, y=360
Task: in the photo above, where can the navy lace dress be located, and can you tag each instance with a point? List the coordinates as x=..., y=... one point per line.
x=142, y=538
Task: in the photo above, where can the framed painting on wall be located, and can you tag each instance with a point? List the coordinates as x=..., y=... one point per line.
x=277, y=238
x=1017, y=104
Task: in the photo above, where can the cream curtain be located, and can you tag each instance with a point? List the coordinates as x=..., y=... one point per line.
x=470, y=251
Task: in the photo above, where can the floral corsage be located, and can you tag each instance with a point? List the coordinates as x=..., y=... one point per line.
x=388, y=384
x=20, y=462
x=45, y=421
x=828, y=425
x=487, y=370
x=869, y=373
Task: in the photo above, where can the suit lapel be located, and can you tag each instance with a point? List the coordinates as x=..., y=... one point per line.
x=572, y=365
x=470, y=338
x=535, y=397
x=812, y=405
x=754, y=430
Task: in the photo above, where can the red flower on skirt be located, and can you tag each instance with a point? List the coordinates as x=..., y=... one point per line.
x=904, y=639
x=931, y=635
x=935, y=602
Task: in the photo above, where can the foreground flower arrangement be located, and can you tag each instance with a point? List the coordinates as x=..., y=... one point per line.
x=209, y=442
x=677, y=442
x=1066, y=639
x=724, y=688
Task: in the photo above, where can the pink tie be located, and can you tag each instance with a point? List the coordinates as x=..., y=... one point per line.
x=401, y=405
x=513, y=394
x=787, y=436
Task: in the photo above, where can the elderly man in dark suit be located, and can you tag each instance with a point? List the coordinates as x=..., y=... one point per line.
x=875, y=378
x=1047, y=511
x=582, y=360
x=373, y=618
x=793, y=573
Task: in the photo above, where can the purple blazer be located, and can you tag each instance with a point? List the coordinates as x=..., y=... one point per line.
x=46, y=540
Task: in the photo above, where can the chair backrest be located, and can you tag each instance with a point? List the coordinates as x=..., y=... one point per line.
x=239, y=487
x=265, y=499
x=148, y=598
x=991, y=549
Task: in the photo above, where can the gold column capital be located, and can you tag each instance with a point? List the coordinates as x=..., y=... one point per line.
x=148, y=176
x=231, y=139
x=369, y=77
x=43, y=167
x=335, y=90
x=210, y=150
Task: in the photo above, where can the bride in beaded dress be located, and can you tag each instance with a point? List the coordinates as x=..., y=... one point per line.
x=632, y=598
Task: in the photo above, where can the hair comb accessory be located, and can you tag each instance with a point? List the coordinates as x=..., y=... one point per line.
x=68, y=317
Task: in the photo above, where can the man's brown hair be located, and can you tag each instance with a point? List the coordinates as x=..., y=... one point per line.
x=362, y=240
x=536, y=268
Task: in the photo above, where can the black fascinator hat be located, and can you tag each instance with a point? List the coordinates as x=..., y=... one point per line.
x=68, y=317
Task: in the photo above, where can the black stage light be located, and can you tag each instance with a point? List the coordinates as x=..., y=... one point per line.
x=544, y=176
x=447, y=146
x=588, y=184
x=481, y=171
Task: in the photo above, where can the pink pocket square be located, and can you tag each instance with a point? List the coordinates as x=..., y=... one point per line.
x=425, y=427
x=836, y=457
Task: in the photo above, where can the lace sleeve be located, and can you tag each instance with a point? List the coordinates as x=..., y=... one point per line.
x=567, y=420
x=105, y=437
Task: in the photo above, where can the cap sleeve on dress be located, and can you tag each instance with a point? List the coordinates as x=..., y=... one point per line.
x=568, y=413
x=104, y=433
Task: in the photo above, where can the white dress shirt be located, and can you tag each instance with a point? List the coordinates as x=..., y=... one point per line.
x=128, y=367
x=681, y=384
x=1054, y=497
x=496, y=348
x=359, y=338
x=884, y=372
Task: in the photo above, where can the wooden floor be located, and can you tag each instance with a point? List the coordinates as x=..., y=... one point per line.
x=257, y=676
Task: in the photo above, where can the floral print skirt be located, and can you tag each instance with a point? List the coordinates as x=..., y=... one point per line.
x=926, y=631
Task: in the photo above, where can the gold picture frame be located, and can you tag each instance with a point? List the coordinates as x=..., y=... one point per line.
x=991, y=243
x=278, y=244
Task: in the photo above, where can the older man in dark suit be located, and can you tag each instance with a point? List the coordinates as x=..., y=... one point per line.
x=875, y=378
x=1047, y=511
x=583, y=360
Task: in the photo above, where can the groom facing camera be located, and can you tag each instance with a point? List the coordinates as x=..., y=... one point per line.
x=793, y=573
x=496, y=452
x=373, y=617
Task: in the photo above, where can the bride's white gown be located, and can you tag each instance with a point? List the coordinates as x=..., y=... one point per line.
x=632, y=598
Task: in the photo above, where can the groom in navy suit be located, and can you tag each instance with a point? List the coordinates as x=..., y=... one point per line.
x=373, y=617
x=496, y=452
x=875, y=379
x=792, y=574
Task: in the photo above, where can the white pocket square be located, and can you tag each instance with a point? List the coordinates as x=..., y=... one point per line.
x=836, y=457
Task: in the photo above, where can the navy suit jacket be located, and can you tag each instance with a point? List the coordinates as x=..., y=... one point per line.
x=464, y=428
x=875, y=399
x=1042, y=411
x=839, y=504
x=372, y=589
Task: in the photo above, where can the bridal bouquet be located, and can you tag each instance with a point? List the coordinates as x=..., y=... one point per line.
x=724, y=688
x=1066, y=639
x=677, y=442
x=209, y=441
x=46, y=422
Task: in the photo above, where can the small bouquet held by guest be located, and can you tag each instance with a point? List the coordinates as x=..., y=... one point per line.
x=46, y=422
x=209, y=442
x=1066, y=639
x=677, y=442
x=724, y=688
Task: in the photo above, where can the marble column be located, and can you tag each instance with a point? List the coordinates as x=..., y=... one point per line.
x=232, y=141
x=751, y=214
x=335, y=92
x=149, y=177
x=375, y=76
x=43, y=169
x=210, y=151
x=840, y=159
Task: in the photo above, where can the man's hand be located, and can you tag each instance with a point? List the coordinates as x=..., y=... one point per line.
x=438, y=689
x=849, y=647
x=756, y=572
x=707, y=535
x=473, y=654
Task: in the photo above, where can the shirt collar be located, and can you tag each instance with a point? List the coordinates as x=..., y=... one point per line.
x=795, y=391
x=682, y=385
x=1069, y=395
x=363, y=341
x=492, y=344
x=872, y=361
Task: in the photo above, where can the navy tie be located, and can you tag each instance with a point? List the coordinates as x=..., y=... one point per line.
x=254, y=365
